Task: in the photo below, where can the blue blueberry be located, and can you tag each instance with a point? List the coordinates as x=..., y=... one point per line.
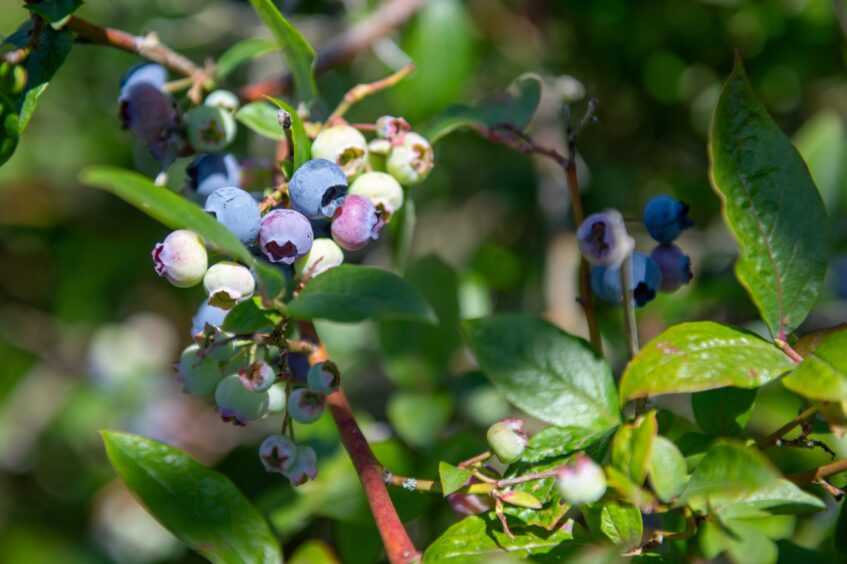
x=646, y=280
x=298, y=365
x=317, y=188
x=143, y=73
x=149, y=112
x=598, y=285
x=212, y=171
x=675, y=266
x=237, y=210
x=603, y=239
x=285, y=236
x=666, y=218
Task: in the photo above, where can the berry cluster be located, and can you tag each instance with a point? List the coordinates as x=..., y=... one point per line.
x=339, y=200
x=605, y=243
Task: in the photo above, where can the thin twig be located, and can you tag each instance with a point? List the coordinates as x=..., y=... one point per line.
x=788, y=350
x=782, y=431
x=817, y=474
x=473, y=461
x=362, y=91
x=630, y=324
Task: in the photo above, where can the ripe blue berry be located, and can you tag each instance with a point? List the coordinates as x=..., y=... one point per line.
x=148, y=112
x=356, y=223
x=582, y=481
x=210, y=129
x=228, y=283
x=258, y=377
x=237, y=404
x=237, y=210
x=646, y=281
x=343, y=145
x=198, y=375
x=277, y=454
x=324, y=377
x=317, y=189
x=325, y=254
x=207, y=315
x=666, y=218
x=212, y=171
x=298, y=364
x=305, y=406
x=603, y=239
x=675, y=266
x=382, y=190
x=507, y=440
x=410, y=161
x=304, y=467
x=285, y=236
x=598, y=285
x=181, y=258
x=143, y=73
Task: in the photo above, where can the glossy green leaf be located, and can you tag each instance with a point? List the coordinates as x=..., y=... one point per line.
x=558, y=442
x=354, y=293
x=632, y=447
x=693, y=357
x=668, y=471
x=779, y=496
x=544, y=371
x=243, y=51
x=513, y=108
x=302, y=144
x=53, y=10
x=201, y=507
x=823, y=374
x=401, y=342
x=452, y=477
x=744, y=542
x=248, y=317
x=723, y=412
x=176, y=212
x=770, y=204
x=822, y=141
x=261, y=118
x=299, y=55
x=729, y=470
x=480, y=538
x=620, y=523
x=419, y=419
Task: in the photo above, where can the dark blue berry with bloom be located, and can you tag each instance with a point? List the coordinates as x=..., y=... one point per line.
x=666, y=218
x=675, y=266
x=646, y=281
x=603, y=239
x=211, y=171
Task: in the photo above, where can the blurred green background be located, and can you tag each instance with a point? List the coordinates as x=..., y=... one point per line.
x=88, y=332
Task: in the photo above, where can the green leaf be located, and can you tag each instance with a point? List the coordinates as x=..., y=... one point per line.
x=744, y=542
x=248, y=317
x=243, y=51
x=778, y=496
x=176, y=212
x=403, y=231
x=770, y=204
x=727, y=472
x=480, y=538
x=632, y=447
x=723, y=411
x=544, y=371
x=419, y=419
x=693, y=357
x=261, y=118
x=668, y=471
x=53, y=10
x=513, y=108
x=418, y=355
x=314, y=551
x=558, y=442
x=620, y=523
x=452, y=477
x=354, y=293
x=298, y=53
x=201, y=507
x=302, y=145
x=823, y=374
x=822, y=142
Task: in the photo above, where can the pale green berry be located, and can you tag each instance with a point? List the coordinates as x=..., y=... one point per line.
x=223, y=99
x=382, y=189
x=582, y=481
x=228, y=283
x=345, y=146
x=210, y=129
x=411, y=161
x=324, y=377
x=276, y=398
x=238, y=404
x=325, y=254
x=198, y=375
x=181, y=258
x=507, y=440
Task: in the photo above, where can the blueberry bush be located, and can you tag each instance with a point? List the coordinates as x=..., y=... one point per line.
x=541, y=444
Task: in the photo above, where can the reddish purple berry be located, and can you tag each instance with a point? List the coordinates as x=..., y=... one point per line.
x=675, y=266
x=356, y=223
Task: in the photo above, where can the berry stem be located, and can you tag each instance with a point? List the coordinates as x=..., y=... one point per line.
x=818, y=474
x=475, y=460
x=630, y=325
x=788, y=350
x=398, y=545
x=362, y=91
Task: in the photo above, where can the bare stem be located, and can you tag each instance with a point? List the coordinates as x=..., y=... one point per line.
x=630, y=324
x=785, y=429
x=362, y=91
x=473, y=461
x=788, y=350
x=817, y=474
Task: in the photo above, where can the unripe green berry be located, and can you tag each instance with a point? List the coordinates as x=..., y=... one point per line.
x=210, y=129
x=276, y=398
x=228, y=283
x=304, y=467
x=582, y=481
x=277, y=454
x=223, y=99
x=324, y=254
x=324, y=377
x=305, y=406
x=238, y=404
x=257, y=377
x=198, y=375
x=181, y=258
x=411, y=161
x=345, y=146
x=507, y=440
x=382, y=189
